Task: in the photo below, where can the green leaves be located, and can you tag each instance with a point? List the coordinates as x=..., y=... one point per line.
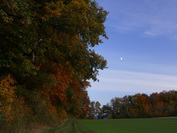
x=47, y=46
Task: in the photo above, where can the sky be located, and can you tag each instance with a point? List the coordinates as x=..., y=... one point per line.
x=141, y=50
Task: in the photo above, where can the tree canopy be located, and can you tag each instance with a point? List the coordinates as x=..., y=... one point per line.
x=46, y=50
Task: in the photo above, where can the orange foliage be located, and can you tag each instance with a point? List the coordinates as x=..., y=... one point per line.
x=51, y=109
x=53, y=9
x=7, y=96
x=76, y=85
x=63, y=77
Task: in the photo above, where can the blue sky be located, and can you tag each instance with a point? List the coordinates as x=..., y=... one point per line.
x=144, y=34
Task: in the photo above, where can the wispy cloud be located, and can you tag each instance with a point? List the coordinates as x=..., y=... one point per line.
x=148, y=17
x=137, y=82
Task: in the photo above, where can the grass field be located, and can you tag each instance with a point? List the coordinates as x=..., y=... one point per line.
x=149, y=125
x=71, y=126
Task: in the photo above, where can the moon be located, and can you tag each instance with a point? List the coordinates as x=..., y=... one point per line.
x=121, y=58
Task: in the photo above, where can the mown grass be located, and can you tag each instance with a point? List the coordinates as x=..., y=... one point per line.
x=149, y=125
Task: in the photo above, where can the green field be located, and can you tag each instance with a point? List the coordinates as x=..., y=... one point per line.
x=149, y=125
x=71, y=126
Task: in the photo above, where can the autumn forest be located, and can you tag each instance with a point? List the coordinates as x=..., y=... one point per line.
x=46, y=59
x=162, y=104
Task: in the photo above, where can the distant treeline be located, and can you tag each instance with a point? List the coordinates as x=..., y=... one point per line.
x=161, y=104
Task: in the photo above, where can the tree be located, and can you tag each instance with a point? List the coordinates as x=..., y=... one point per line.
x=141, y=105
x=107, y=111
x=62, y=32
x=97, y=107
x=46, y=46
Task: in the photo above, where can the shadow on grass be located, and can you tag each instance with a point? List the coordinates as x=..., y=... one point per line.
x=71, y=126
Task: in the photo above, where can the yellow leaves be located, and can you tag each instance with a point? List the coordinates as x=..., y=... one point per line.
x=53, y=9
x=77, y=10
x=7, y=96
x=6, y=86
x=76, y=4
